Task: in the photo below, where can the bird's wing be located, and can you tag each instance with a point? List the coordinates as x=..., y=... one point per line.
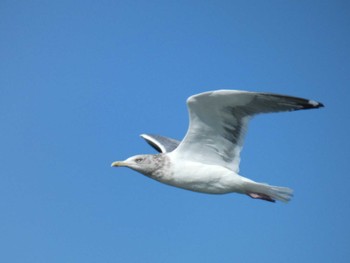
x=160, y=143
x=219, y=121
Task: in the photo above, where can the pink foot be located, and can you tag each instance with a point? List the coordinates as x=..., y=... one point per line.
x=261, y=196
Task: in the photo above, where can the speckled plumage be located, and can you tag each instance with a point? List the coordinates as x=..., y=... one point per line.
x=207, y=159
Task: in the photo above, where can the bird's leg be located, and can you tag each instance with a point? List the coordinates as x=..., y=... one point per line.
x=261, y=196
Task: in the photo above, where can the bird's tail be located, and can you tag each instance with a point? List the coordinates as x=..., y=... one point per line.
x=268, y=192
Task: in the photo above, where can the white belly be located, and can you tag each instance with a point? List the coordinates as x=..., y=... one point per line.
x=203, y=178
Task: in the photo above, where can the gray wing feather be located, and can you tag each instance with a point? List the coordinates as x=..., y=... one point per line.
x=161, y=143
x=219, y=121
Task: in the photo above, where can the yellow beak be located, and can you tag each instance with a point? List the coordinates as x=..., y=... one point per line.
x=118, y=164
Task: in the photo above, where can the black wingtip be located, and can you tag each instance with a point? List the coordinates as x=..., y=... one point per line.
x=296, y=103
x=312, y=104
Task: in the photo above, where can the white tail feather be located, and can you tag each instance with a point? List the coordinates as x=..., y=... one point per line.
x=283, y=194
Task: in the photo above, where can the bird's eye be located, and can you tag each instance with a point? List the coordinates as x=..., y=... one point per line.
x=138, y=160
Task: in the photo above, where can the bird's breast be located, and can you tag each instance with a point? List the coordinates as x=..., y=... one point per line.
x=198, y=177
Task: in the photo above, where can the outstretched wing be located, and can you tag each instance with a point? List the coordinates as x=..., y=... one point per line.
x=219, y=121
x=160, y=143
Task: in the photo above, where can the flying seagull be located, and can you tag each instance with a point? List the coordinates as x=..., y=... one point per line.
x=207, y=159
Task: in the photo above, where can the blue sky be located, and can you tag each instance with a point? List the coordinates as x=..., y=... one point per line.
x=80, y=80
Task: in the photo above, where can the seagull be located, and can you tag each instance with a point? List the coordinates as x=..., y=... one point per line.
x=207, y=159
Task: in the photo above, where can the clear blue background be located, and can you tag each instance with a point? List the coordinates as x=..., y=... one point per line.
x=80, y=80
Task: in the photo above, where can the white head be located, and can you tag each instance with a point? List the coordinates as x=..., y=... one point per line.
x=145, y=164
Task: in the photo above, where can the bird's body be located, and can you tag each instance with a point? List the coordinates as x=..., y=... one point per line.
x=207, y=159
x=204, y=178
